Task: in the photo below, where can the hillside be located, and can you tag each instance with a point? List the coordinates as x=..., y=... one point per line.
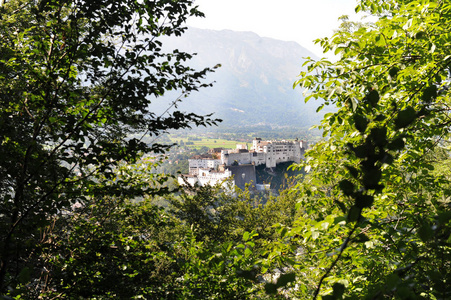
x=254, y=85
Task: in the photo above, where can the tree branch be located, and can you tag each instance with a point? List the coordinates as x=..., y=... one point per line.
x=342, y=249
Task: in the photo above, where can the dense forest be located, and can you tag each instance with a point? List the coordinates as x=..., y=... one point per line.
x=369, y=216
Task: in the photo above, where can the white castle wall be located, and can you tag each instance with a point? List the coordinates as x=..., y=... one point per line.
x=190, y=179
x=269, y=153
x=196, y=164
x=210, y=177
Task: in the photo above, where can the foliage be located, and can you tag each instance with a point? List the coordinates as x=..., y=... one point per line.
x=76, y=81
x=142, y=250
x=373, y=216
x=241, y=225
x=110, y=242
x=376, y=218
x=223, y=216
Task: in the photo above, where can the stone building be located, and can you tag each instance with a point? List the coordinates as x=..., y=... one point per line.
x=205, y=177
x=269, y=153
x=202, y=163
x=240, y=163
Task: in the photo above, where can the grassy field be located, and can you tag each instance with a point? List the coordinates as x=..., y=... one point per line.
x=209, y=143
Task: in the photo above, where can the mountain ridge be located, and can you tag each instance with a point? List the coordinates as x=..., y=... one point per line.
x=254, y=85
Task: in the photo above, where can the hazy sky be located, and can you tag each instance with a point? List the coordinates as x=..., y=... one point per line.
x=289, y=20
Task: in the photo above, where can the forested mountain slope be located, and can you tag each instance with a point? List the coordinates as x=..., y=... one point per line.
x=254, y=85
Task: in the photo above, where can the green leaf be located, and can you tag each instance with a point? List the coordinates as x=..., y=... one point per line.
x=361, y=122
x=354, y=213
x=420, y=35
x=372, y=98
x=351, y=102
x=393, y=72
x=444, y=217
x=248, y=274
x=405, y=117
x=284, y=279
x=353, y=171
x=341, y=205
x=283, y=232
x=361, y=238
x=392, y=281
x=338, y=290
x=379, y=136
x=271, y=288
x=429, y=94
x=364, y=201
x=246, y=236
x=425, y=232
x=371, y=178
x=346, y=187
x=362, y=151
x=396, y=144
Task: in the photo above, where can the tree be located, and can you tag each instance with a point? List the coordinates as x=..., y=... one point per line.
x=376, y=217
x=76, y=81
x=230, y=236
x=220, y=216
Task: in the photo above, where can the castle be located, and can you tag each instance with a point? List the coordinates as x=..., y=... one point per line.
x=240, y=163
x=269, y=153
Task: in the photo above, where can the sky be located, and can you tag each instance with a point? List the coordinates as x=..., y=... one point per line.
x=301, y=21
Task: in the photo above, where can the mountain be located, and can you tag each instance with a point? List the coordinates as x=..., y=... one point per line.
x=254, y=85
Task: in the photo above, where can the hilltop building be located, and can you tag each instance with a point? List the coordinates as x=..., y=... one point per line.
x=205, y=176
x=269, y=153
x=202, y=163
x=240, y=163
x=242, y=175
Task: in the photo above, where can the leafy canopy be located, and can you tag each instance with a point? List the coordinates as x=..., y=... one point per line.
x=376, y=214
x=76, y=81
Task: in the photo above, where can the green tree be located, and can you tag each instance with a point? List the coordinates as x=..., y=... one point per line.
x=230, y=236
x=375, y=217
x=110, y=248
x=218, y=216
x=76, y=81
x=115, y=249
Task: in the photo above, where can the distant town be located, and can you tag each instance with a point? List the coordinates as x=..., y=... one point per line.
x=240, y=163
